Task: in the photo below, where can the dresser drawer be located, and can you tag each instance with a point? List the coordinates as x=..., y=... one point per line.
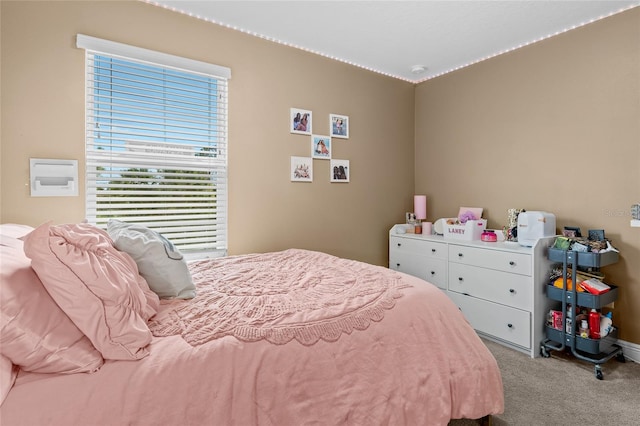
x=436, y=272
x=432, y=270
x=506, y=323
x=517, y=263
x=414, y=245
x=501, y=287
x=409, y=263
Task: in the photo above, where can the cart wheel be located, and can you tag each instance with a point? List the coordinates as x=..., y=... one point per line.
x=620, y=357
x=544, y=352
x=598, y=372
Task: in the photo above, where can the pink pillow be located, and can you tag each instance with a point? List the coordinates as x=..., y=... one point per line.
x=8, y=373
x=97, y=286
x=35, y=334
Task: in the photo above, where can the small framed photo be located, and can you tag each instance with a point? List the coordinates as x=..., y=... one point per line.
x=339, y=125
x=571, y=232
x=320, y=147
x=300, y=121
x=340, y=171
x=596, y=235
x=301, y=169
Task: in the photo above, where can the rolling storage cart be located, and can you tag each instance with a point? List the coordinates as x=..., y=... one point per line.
x=597, y=351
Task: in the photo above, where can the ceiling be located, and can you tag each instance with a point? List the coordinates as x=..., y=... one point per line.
x=394, y=37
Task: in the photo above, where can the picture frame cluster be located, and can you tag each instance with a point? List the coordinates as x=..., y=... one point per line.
x=321, y=146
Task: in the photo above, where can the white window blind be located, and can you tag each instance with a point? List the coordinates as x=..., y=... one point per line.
x=156, y=144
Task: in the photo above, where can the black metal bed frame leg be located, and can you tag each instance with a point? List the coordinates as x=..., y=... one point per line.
x=486, y=420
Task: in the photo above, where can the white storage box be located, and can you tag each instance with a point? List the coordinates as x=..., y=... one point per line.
x=533, y=225
x=468, y=231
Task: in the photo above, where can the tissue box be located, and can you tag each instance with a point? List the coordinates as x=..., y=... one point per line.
x=468, y=231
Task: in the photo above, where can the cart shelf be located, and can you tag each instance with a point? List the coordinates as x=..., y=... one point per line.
x=591, y=346
x=585, y=259
x=587, y=300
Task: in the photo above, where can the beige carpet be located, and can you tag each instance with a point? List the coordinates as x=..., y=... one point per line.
x=562, y=390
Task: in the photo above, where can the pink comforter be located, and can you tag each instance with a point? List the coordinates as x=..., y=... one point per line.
x=412, y=359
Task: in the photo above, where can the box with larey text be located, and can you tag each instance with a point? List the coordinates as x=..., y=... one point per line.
x=468, y=231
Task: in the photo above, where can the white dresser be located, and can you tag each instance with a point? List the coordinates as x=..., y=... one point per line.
x=499, y=287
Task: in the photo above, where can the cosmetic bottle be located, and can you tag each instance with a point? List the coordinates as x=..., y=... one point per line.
x=594, y=324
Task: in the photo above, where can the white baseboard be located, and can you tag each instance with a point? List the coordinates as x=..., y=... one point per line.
x=630, y=350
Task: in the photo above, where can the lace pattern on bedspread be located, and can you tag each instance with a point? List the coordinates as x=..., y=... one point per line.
x=280, y=296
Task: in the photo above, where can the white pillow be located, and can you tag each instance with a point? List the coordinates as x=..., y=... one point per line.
x=158, y=260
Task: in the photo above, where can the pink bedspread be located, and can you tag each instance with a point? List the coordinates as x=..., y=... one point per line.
x=280, y=296
x=413, y=361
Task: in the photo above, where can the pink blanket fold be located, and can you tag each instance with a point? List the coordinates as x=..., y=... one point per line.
x=280, y=296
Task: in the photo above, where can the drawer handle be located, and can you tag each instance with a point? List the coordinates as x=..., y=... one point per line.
x=460, y=255
x=511, y=290
x=512, y=263
x=433, y=250
x=433, y=272
x=460, y=279
x=510, y=325
x=399, y=244
x=398, y=265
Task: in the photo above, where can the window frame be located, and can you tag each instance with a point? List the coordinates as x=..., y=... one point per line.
x=144, y=57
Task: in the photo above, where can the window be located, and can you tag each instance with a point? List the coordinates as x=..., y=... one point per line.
x=156, y=144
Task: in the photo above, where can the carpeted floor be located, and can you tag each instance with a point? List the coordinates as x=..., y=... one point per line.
x=562, y=390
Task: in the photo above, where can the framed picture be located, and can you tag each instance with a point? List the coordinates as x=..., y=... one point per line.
x=339, y=125
x=320, y=147
x=596, y=235
x=571, y=232
x=301, y=169
x=300, y=121
x=340, y=171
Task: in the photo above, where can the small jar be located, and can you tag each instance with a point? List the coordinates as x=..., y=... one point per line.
x=489, y=236
x=584, y=329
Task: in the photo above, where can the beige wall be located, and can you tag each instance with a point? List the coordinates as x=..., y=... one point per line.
x=43, y=116
x=554, y=126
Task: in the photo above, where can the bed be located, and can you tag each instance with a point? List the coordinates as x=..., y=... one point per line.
x=295, y=337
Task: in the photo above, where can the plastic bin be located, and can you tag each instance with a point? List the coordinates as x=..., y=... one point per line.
x=592, y=346
x=585, y=259
x=587, y=300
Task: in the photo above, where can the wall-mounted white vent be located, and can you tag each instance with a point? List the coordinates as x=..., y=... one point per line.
x=53, y=177
x=635, y=215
